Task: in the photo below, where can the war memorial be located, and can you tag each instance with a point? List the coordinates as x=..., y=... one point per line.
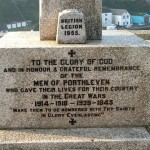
x=72, y=86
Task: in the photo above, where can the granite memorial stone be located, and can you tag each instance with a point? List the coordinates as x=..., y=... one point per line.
x=98, y=84
x=49, y=10
x=44, y=85
x=71, y=27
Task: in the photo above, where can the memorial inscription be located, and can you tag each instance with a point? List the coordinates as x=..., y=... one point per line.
x=63, y=91
x=44, y=85
x=71, y=27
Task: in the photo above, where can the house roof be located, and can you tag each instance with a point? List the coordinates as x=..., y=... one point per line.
x=146, y=15
x=106, y=10
x=118, y=11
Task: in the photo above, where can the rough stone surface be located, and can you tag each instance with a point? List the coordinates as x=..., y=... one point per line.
x=76, y=139
x=110, y=39
x=145, y=34
x=71, y=27
x=148, y=128
x=49, y=10
x=128, y=107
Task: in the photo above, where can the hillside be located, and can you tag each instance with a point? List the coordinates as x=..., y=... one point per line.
x=133, y=6
x=148, y=1
x=14, y=10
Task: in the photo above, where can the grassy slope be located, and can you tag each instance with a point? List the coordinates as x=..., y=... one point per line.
x=26, y=10
x=7, y=12
x=133, y=6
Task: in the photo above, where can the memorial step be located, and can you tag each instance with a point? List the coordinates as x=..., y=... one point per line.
x=76, y=139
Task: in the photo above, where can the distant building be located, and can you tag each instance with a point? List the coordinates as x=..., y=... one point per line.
x=18, y=24
x=106, y=17
x=145, y=19
x=111, y=27
x=121, y=17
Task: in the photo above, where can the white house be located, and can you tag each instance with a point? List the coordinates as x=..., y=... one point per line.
x=106, y=18
x=14, y=25
x=121, y=17
x=18, y=24
x=24, y=24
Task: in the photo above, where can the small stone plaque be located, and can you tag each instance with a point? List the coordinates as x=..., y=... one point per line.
x=49, y=10
x=71, y=27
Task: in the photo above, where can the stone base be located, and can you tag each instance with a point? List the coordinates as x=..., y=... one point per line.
x=123, y=100
x=78, y=139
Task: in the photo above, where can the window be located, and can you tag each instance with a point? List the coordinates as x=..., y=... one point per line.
x=124, y=17
x=105, y=14
x=105, y=19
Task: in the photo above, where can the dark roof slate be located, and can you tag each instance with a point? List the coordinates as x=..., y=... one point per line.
x=118, y=11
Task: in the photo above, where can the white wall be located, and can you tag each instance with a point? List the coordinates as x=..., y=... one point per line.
x=24, y=24
x=8, y=26
x=117, y=20
x=106, y=19
x=19, y=24
x=14, y=26
x=122, y=20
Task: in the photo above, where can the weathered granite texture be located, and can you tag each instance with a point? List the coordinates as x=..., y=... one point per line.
x=144, y=34
x=123, y=97
x=110, y=39
x=71, y=27
x=49, y=10
x=148, y=129
x=76, y=139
